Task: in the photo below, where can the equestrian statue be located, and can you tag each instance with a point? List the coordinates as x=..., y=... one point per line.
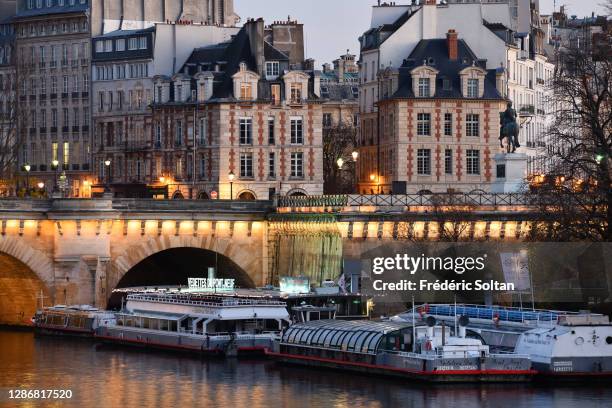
x=509, y=129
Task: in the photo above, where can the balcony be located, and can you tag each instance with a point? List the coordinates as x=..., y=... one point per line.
x=65, y=129
x=539, y=81
x=53, y=96
x=76, y=167
x=42, y=65
x=43, y=167
x=53, y=129
x=527, y=110
x=64, y=95
x=53, y=64
x=75, y=129
x=74, y=95
x=74, y=63
x=84, y=62
x=43, y=130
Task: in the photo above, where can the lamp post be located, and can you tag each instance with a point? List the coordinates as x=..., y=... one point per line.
x=54, y=167
x=27, y=169
x=374, y=179
x=231, y=178
x=107, y=164
x=355, y=156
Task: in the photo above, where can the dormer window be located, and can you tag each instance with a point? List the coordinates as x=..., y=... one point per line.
x=296, y=92
x=246, y=92
x=424, y=88
x=272, y=70
x=473, y=85
x=446, y=84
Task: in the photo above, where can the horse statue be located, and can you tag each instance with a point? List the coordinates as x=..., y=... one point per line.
x=509, y=129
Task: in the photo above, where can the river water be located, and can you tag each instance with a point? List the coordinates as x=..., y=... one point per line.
x=104, y=376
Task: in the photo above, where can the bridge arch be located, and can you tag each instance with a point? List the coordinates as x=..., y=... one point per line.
x=25, y=274
x=241, y=256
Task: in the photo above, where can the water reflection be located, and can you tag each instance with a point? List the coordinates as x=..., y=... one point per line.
x=116, y=377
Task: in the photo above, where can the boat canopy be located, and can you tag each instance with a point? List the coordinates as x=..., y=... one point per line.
x=364, y=337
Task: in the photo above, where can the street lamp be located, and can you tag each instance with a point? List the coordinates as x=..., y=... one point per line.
x=107, y=163
x=231, y=178
x=27, y=169
x=162, y=179
x=55, y=166
x=355, y=155
x=340, y=163
x=374, y=179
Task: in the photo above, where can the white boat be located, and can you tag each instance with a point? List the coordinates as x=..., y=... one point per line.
x=78, y=320
x=197, y=322
x=560, y=344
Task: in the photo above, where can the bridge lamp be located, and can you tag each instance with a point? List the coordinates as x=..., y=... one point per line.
x=231, y=178
x=41, y=185
x=27, y=169
x=107, y=163
x=355, y=155
x=55, y=166
x=340, y=163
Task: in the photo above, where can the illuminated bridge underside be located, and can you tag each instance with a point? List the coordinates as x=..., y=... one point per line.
x=79, y=251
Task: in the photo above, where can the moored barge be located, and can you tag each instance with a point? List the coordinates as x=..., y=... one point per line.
x=79, y=321
x=197, y=323
x=398, y=349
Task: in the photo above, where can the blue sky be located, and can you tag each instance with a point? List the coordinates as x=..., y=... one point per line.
x=333, y=26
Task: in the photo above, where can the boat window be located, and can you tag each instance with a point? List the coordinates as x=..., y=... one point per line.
x=374, y=341
x=349, y=341
x=359, y=341
x=335, y=341
x=301, y=337
x=318, y=340
x=308, y=339
x=291, y=335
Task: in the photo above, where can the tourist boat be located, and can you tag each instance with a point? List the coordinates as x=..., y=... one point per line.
x=81, y=320
x=426, y=353
x=561, y=344
x=200, y=323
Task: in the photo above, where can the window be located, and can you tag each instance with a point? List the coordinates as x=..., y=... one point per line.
x=133, y=43
x=66, y=153
x=54, y=118
x=297, y=131
x=271, y=165
x=246, y=131
x=76, y=117
x=202, y=167
x=472, y=125
x=142, y=43
x=85, y=82
x=179, y=133
x=108, y=45
x=424, y=162
x=203, y=131
x=424, y=124
x=424, y=89
x=276, y=94
x=272, y=70
x=158, y=135
x=271, y=133
x=472, y=87
x=100, y=101
x=120, y=44
x=296, y=92
x=100, y=46
x=327, y=120
x=448, y=124
x=473, y=162
x=246, y=165
x=448, y=161
x=65, y=117
x=446, y=84
x=297, y=165
x=246, y=92
x=65, y=84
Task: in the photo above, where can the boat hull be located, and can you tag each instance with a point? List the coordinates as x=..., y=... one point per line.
x=439, y=376
x=214, y=345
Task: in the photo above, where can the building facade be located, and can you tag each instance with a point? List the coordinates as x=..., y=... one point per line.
x=491, y=29
x=439, y=115
x=124, y=65
x=235, y=122
x=8, y=118
x=52, y=63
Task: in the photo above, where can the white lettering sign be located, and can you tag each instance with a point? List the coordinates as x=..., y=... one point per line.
x=204, y=284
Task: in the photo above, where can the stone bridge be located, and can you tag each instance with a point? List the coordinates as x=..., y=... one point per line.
x=70, y=251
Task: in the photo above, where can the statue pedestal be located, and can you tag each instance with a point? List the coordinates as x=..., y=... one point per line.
x=511, y=171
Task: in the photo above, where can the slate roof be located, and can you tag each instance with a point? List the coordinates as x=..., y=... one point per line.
x=55, y=9
x=126, y=33
x=435, y=52
x=228, y=57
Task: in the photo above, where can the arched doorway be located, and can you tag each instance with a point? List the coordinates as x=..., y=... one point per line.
x=247, y=196
x=178, y=196
x=297, y=193
x=203, y=195
x=172, y=267
x=20, y=291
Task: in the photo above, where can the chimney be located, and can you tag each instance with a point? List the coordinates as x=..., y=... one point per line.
x=453, y=47
x=255, y=32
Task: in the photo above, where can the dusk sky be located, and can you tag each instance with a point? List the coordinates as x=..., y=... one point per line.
x=333, y=26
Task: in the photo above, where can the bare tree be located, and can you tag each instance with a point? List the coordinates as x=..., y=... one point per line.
x=576, y=195
x=339, y=142
x=15, y=117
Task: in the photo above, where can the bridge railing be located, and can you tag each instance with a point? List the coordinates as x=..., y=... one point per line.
x=409, y=200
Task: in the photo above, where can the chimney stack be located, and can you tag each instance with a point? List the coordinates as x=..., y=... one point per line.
x=453, y=46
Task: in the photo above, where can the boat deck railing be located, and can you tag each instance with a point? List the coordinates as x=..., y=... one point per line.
x=437, y=354
x=203, y=302
x=505, y=314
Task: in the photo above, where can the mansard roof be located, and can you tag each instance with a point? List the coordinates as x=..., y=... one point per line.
x=434, y=53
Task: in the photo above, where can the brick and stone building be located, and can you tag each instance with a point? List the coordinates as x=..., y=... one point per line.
x=124, y=65
x=340, y=92
x=439, y=120
x=237, y=121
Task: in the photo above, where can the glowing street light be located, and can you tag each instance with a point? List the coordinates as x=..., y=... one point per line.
x=55, y=167
x=107, y=163
x=355, y=155
x=231, y=178
x=340, y=163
